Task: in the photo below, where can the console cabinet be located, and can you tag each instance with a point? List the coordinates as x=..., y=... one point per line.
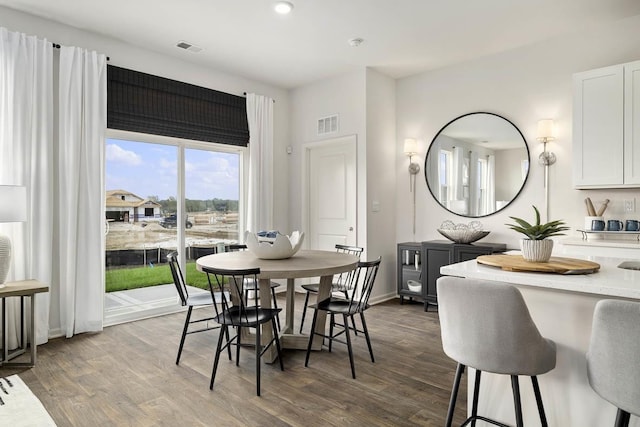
x=421, y=262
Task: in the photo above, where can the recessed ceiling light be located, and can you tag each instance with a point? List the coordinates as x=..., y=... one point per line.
x=283, y=7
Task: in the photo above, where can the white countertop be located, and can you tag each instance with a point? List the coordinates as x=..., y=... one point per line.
x=608, y=281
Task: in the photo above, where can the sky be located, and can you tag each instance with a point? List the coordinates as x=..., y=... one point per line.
x=146, y=169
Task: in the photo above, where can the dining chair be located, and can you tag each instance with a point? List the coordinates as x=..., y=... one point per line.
x=486, y=325
x=341, y=282
x=361, y=284
x=234, y=312
x=613, y=368
x=203, y=299
x=253, y=286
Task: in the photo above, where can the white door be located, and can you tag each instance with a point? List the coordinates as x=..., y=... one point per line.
x=331, y=192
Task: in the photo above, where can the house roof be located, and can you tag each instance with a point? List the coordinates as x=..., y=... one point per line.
x=114, y=200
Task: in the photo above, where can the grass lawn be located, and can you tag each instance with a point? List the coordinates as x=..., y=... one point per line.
x=121, y=279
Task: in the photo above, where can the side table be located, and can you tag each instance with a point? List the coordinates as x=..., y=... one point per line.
x=22, y=289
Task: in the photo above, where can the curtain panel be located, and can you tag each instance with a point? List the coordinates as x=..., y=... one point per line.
x=82, y=123
x=145, y=103
x=26, y=158
x=260, y=189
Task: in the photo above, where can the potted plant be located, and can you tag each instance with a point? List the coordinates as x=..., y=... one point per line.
x=537, y=246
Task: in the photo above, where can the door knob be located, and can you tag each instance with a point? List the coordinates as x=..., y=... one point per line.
x=350, y=228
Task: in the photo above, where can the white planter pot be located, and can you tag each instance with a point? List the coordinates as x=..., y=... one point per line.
x=536, y=250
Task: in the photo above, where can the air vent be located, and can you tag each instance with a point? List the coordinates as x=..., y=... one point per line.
x=328, y=125
x=188, y=46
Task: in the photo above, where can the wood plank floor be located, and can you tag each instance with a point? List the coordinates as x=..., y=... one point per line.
x=127, y=376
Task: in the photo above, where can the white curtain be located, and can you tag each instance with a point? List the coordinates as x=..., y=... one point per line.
x=490, y=191
x=260, y=191
x=82, y=122
x=26, y=158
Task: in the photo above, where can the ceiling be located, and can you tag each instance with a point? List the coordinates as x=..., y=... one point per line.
x=401, y=37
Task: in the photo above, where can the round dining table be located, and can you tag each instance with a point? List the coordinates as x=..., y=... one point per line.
x=304, y=264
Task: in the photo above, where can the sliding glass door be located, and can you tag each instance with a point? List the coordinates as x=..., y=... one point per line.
x=164, y=195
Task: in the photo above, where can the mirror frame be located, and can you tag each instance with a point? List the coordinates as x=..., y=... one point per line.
x=431, y=145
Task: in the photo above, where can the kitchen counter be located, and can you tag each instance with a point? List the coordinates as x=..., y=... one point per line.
x=562, y=307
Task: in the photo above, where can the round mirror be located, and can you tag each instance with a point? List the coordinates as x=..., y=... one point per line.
x=477, y=164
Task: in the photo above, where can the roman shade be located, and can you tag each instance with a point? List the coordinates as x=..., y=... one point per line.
x=145, y=103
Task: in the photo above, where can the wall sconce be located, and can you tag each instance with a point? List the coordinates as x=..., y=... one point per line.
x=546, y=133
x=13, y=208
x=411, y=149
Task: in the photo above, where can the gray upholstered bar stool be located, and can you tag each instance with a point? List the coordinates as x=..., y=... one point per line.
x=486, y=325
x=613, y=364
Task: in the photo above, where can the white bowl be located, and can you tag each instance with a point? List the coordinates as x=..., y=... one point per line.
x=463, y=235
x=414, y=286
x=279, y=248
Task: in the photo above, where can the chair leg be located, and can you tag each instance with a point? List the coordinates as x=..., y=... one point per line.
x=454, y=394
x=238, y=332
x=353, y=321
x=345, y=318
x=366, y=335
x=622, y=418
x=184, y=333
x=516, y=400
x=476, y=394
x=258, y=352
x=275, y=305
x=228, y=341
x=304, y=310
x=332, y=323
x=278, y=349
x=311, y=335
x=536, y=391
x=217, y=357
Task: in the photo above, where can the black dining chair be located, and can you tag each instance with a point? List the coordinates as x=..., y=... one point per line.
x=361, y=285
x=341, y=282
x=253, y=286
x=234, y=312
x=203, y=299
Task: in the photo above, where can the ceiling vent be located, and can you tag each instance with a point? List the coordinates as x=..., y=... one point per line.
x=188, y=46
x=328, y=125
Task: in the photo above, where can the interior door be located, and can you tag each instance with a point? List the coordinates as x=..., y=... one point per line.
x=332, y=197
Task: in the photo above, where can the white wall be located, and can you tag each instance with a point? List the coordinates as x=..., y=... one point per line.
x=127, y=56
x=523, y=85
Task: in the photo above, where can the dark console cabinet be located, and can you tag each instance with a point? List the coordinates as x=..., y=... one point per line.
x=433, y=255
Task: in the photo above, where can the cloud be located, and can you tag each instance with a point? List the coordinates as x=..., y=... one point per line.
x=116, y=154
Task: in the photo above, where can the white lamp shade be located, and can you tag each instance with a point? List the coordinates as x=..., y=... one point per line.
x=13, y=203
x=546, y=129
x=410, y=147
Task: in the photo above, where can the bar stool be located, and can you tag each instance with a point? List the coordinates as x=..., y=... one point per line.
x=486, y=325
x=613, y=367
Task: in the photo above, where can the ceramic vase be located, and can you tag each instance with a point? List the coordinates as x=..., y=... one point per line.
x=536, y=250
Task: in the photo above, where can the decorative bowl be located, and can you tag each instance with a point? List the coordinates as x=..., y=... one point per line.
x=414, y=286
x=463, y=235
x=269, y=248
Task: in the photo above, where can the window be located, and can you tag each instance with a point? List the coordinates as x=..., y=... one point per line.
x=150, y=213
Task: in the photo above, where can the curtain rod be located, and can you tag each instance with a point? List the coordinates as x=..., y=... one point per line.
x=57, y=46
x=245, y=94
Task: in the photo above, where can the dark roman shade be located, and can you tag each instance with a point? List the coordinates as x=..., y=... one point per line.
x=140, y=102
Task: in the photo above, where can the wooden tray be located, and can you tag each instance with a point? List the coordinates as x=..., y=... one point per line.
x=555, y=265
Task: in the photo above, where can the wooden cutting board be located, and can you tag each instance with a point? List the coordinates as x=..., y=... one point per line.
x=557, y=265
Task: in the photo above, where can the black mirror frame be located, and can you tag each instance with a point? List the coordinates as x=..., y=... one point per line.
x=426, y=160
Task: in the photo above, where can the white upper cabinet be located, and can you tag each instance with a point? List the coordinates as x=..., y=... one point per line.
x=606, y=127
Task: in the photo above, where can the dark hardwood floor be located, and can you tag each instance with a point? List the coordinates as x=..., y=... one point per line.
x=127, y=376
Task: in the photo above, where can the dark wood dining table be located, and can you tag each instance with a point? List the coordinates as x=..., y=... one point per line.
x=304, y=264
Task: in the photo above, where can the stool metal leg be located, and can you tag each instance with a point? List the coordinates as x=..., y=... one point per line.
x=304, y=310
x=516, y=400
x=476, y=393
x=454, y=394
x=622, y=418
x=536, y=391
